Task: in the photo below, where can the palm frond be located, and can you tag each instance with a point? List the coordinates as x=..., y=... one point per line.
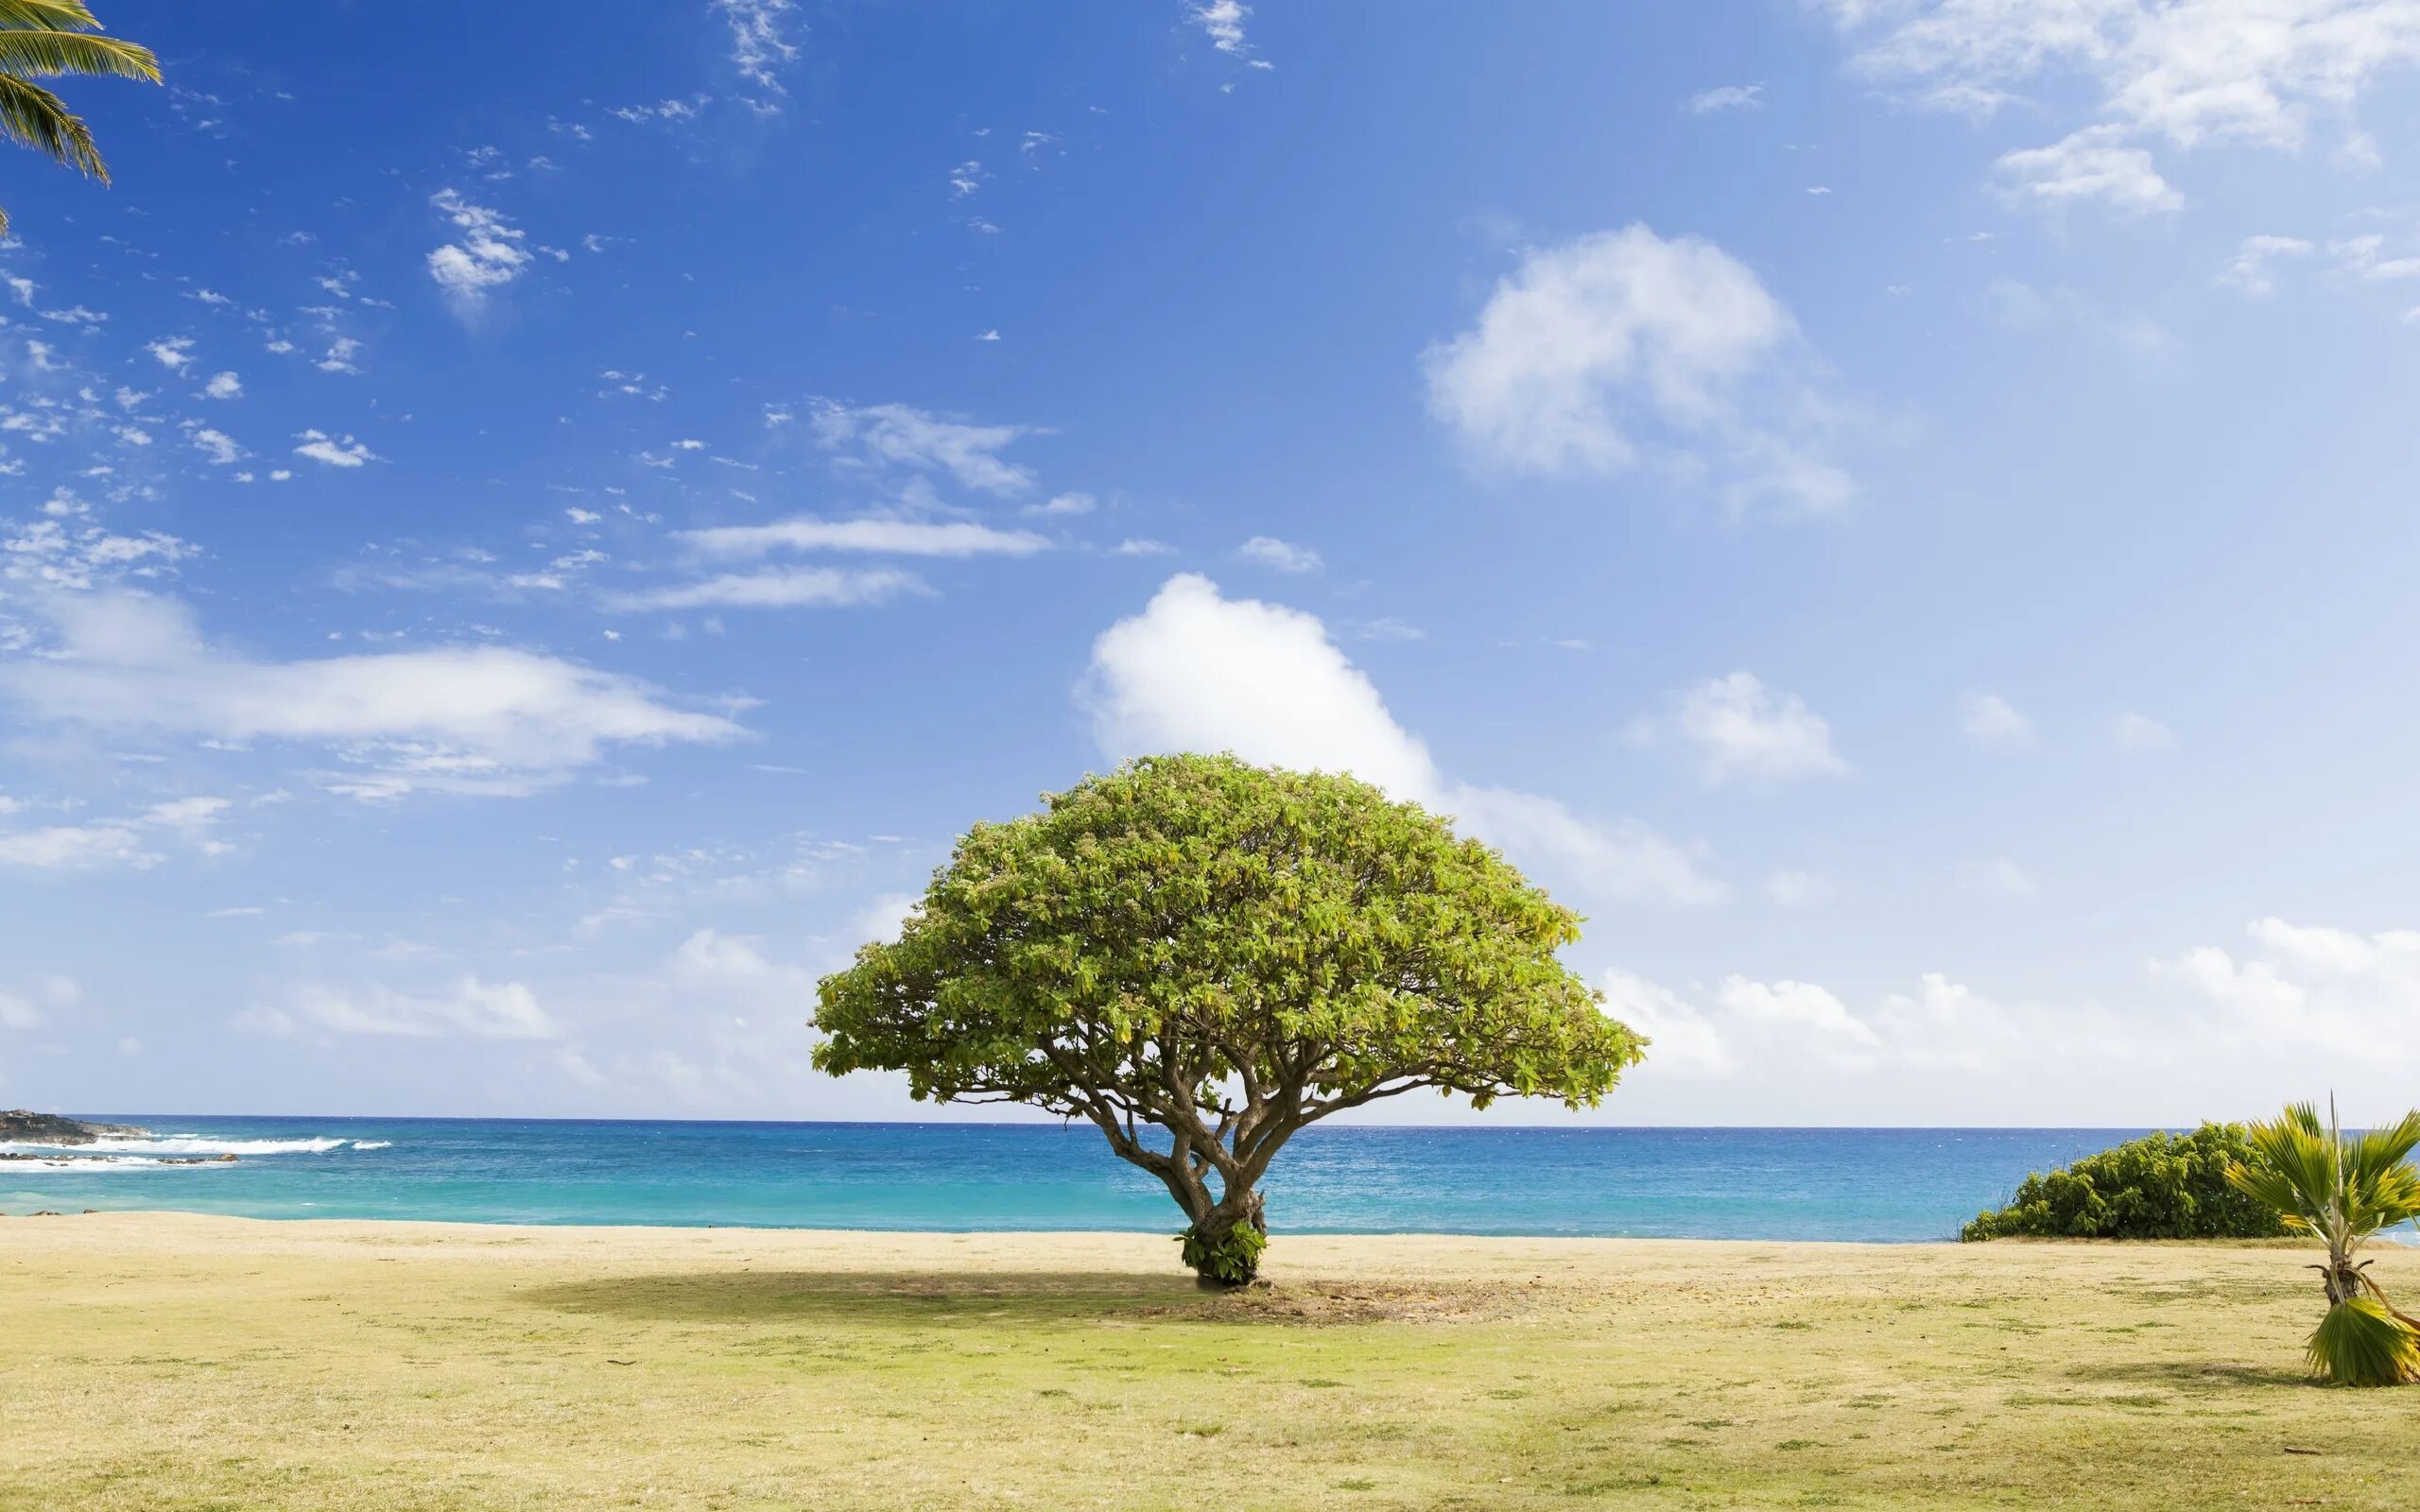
x=30, y=53
x=33, y=116
x=2360, y=1343
x=46, y=15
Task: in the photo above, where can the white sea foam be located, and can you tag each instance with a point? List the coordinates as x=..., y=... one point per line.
x=104, y=1162
x=187, y=1144
x=371, y=1145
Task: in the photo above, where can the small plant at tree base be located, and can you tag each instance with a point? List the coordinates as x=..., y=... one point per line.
x=2342, y=1190
x=1231, y=1259
x=2161, y=1186
x=1202, y=957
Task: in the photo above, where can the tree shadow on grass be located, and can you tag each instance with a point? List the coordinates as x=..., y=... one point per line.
x=876, y=1297
x=942, y=1298
x=2190, y=1375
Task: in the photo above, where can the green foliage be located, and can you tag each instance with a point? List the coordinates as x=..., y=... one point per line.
x=40, y=39
x=1232, y=1258
x=2342, y=1190
x=2337, y=1187
x=2162, y=1186
x=2362, y=1341
x=1225, y=954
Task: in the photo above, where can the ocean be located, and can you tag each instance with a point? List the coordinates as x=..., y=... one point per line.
x=1867, y=1185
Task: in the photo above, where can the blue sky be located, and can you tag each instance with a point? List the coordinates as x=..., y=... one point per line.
x=1899, y=511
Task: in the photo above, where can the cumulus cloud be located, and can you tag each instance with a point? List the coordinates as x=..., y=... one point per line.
x=216, y=445
x=475, y=719
x=488, y=255
x=903, y=435
x=334, y=451
x=1595, y=347
x=1197, y=671
x=1280, y=556
x=1727, y=98
x=174, y=352
x=2090, y=165
x=877, y=535
x=1744, y=731
x=1989, y=719
x=225, y=386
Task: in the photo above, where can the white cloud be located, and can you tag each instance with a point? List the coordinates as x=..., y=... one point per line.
x=1989, y=719
x=2345, y=1001
x=225, y=386
x=458, y=719
x=1196, y=671
x=174, y=353
x=901, y=435
x=2090, y=165
x=1223, y=21
x=1589, y=341
x=899, y=537
x=489, y=254
x=345, y=452
x=2182, y=72
x=1062, y=506
x=1280, y=556
x=77, y=848
x=1743, y=729
x=760, y=44
x=2249, y=269
x=484, y=1010
x=217, y=446
x=2136, y=734
x=1142, y=548
x=1727, y=98
x=2358, y=257
x=777, y=588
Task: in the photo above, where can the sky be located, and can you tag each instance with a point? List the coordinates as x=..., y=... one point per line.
x=515, y=560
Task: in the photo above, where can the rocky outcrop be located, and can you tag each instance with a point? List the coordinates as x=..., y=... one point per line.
x=21, y=1127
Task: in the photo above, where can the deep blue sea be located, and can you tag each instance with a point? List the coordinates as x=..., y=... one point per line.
x=1878, y=1185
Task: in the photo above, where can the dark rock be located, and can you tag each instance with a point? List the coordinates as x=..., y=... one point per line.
x=23, y=1126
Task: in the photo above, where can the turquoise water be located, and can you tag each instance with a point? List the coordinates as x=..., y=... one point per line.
x=1882, y=1185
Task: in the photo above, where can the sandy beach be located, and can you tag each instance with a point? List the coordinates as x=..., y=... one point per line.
x=169, y=1361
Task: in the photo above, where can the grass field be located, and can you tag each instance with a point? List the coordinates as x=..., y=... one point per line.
x=157, y=1361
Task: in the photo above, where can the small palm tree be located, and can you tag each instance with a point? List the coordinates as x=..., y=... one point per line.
x=41, y=39
x=2344, y=1191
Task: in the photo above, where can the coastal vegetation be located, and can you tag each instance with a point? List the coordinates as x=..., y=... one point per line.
x=1202, y=957
x=2161, y=1186
x=2343, y=1190
x=168, y=1363
x=43, y=39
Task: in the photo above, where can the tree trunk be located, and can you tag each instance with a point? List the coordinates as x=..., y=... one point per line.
x=1219, y=1263
x=2343, y=1282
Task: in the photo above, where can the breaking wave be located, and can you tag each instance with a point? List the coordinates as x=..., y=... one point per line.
x=193, y=1144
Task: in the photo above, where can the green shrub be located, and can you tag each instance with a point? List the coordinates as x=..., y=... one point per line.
x=2162, y=1186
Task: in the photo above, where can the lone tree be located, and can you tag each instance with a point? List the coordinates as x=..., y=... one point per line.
x=1202, y=956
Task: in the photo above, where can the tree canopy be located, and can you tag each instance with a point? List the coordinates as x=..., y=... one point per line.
x=1202, y=956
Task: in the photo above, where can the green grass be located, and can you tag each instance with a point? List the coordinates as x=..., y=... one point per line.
x=157, y=1363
